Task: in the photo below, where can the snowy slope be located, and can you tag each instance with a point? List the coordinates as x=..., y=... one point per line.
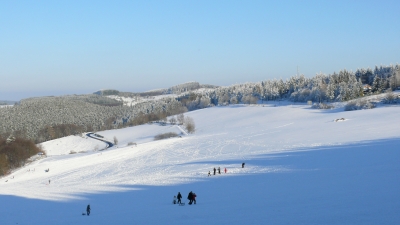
x=301, y=168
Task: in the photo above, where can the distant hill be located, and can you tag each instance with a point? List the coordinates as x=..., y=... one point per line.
x=4, y=102
x=177, y=89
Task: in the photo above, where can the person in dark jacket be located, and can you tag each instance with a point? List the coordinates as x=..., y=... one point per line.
x=88, y=210
x=190, y=197
x=242, y=165
x=179, y=198
x=219, y=170
x=215, y=170
x=194, y=197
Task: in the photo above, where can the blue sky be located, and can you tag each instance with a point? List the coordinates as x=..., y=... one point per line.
x=78, y=47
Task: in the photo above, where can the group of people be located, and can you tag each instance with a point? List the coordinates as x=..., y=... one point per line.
x=219, y=170
x=215, y=171
x=191, y=197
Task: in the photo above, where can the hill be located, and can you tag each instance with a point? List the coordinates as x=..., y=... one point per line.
x=301, y=167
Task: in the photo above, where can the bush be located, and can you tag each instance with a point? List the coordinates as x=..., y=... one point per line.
x=14, y=154
x=132, y=143
x=189, y=124
x=391, y=98
x=322, y=106
x=165, y=136
x=358, y=105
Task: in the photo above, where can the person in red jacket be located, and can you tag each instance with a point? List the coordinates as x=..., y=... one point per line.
x=225, y=170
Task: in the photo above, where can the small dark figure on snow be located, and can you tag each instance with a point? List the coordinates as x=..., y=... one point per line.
x=225, y=170
x=190, y=197
x=179, y=198
x=88, y=210
x=219, y=170
x=174, y=201
x=242, y=165
x=209, y=174
x=49, y=181
x=194, y=197
x=215, y=170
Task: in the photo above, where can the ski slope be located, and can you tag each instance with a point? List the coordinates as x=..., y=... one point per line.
x=301, y=167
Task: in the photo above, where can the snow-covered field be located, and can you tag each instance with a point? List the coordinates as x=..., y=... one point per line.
x=301, y=167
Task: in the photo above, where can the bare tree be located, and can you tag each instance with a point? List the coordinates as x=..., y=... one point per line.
x=172, y=120
x=180, y=118
x=190, y=125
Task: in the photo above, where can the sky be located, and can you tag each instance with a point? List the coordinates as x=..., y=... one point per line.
x=79, y=47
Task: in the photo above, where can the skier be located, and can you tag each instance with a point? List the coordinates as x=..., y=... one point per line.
x=219, y=170
x=174, y=201
x=209, y=174
x=242, y=165
x=179, y=198
x=88, y=210
x=225, y=170
x=215, y=170
x=190, y=197
x=49, y=181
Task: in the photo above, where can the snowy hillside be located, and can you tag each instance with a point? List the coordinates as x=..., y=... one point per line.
x=301, y=167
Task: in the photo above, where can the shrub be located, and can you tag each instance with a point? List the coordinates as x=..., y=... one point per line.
x=358, y=105
x=390, y=98
x=165, y=136
x=322, y=106
x=15, y=154
x=189, y=125
x=132, y=143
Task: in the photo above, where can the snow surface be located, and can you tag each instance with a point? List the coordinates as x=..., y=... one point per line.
x=301, y=168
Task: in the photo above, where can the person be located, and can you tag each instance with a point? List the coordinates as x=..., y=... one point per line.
x=179, y=198
x=219, y=170
x=174, y=201
x=49, y=181
x=242, y=165
x=215, y=170
x=88, y=210
x=225, y=170
x=190, y=197
x=194, y=197
x=209, y=174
